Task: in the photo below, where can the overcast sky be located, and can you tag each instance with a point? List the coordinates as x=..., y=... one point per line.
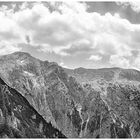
x=86, y=34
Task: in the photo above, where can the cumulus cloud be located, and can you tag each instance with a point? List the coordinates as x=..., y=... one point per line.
x=63, y=65
x=78, y=47
x=119, y=61
x=7, y=48
x=68, y=30
x=135, y=5
x=8, y=28
x=95, y=57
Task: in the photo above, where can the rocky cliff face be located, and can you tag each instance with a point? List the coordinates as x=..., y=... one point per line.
x=47, y=87
x=80, y=103
x=18, y=119
x=111, y=102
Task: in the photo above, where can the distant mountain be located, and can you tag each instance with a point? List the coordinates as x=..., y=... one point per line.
x=18, y=119
x=80, y=103
x=108, y=74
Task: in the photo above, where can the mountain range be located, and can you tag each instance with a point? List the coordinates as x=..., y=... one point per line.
x=43, y=99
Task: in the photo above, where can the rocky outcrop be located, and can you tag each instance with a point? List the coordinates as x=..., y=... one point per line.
x=18, y=119
x=112, y=112
x=80, y=103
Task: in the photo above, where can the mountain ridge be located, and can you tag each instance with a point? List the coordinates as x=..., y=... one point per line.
x=81, y=103
x=42, y=84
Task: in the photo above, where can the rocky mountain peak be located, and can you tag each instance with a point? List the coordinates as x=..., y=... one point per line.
x=16, y=55
x=89, y=103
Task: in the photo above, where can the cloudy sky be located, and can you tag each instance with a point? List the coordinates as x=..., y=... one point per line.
x=73, y=34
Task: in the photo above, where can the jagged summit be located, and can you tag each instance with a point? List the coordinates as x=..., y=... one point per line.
x=21, y=53
x=16, y=55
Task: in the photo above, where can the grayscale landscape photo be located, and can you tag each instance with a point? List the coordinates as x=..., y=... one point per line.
x=70, y=69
